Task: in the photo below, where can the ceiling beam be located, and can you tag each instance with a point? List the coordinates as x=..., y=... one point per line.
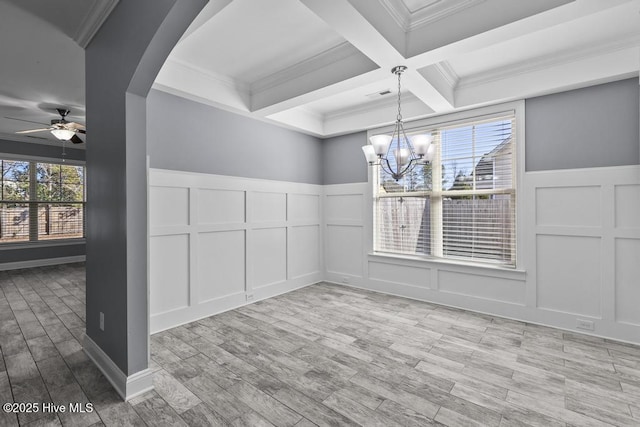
x=351, y=24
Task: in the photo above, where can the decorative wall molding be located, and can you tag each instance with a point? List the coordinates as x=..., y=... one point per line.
x=220, y=242
x=41, y=262
x=127, y=387
x=581, y=234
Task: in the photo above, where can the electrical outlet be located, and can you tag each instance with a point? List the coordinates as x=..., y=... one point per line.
x=249, y=297
x=587, y=325
x=345, y=280
x=101, y=321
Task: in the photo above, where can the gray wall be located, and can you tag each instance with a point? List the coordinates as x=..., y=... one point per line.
x=26, y=253
x=121, y=62
x=590, y=127
x=40, y=150
x=342, y=159
x=189, y=136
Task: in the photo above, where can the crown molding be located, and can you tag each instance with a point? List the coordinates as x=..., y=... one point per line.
x=398, y=12
x=221, y=79
x=93, y=21
x=548, y=61
x=448, y=73
x=368, y=107
x=321, y=60
x=426, y=15
x=430, y=14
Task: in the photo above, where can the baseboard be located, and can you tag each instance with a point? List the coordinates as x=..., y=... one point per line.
x=127, y=387
x=624, y=333
x=41, y=262
x=163, y=321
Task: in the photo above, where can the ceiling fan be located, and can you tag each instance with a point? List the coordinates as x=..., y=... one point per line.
x=62, y=129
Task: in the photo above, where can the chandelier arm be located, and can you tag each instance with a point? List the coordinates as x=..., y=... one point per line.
x=410, y=165
x=388, y=168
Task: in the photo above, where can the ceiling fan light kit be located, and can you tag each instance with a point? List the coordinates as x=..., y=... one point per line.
x=398, y=154
x=62, y=129
x=63, y=134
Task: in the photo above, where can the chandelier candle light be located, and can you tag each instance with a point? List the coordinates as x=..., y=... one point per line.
x=407, y=152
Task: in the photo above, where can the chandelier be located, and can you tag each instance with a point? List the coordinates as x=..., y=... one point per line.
x=396, y=154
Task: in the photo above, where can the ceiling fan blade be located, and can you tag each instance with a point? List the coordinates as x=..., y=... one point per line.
x=28, y=121
x=74, y=125
x=33, y=130
x=76, y=140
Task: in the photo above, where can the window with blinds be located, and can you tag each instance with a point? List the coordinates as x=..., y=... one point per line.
x=462, y=204
x=41, y=201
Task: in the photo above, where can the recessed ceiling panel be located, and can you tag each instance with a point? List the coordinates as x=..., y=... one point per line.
x=481, y=16
x=577, y=38
x=249, y=40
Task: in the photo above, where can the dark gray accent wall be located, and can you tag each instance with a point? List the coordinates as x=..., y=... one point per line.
x=121, y=62
x=189, y=136
x=590, y=127
x=25, y=253
x=342, y=159
x=40, y=150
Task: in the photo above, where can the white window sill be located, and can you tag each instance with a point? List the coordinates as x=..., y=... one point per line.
x=41, y=244
x=449, y=265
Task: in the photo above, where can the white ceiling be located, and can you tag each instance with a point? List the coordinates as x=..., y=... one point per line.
x=42, y=53
x=318, y=66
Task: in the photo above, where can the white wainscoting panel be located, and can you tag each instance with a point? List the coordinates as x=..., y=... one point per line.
x=305, y=251
x=479, y=286
x=627, y=206
x=568, y=206
x=170, y=204
x=579, y=254
x=169, y=272
x=221, y=268
x=303, y=207
x=218, y=242
x=569, y=274
x=402, y=274
x=220, y=206
x=269, y=256
x=628, y=281
x=344, y=207
x=268, y=207
x=344, y=250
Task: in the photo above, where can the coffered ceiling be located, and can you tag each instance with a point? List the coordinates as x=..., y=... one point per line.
x=323, y=66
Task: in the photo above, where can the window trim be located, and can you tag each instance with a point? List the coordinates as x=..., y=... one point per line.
x=25, y=244
x=517, y=108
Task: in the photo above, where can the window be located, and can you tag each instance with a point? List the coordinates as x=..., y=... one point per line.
x=460, y=206
x=41, y=201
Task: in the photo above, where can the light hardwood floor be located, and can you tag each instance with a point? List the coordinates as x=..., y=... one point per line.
x=322, y=355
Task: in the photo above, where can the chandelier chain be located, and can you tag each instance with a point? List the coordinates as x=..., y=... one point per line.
x=399, y=117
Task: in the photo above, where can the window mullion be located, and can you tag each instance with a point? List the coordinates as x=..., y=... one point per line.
x=33, y=206
x=436, y=198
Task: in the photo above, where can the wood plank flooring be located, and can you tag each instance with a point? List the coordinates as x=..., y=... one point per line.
x=325, y=355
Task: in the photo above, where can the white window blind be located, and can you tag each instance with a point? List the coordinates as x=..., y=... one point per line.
x=41, y=201
x=462, y=205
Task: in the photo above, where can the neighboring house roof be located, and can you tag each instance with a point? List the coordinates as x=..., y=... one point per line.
x=484, y=168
